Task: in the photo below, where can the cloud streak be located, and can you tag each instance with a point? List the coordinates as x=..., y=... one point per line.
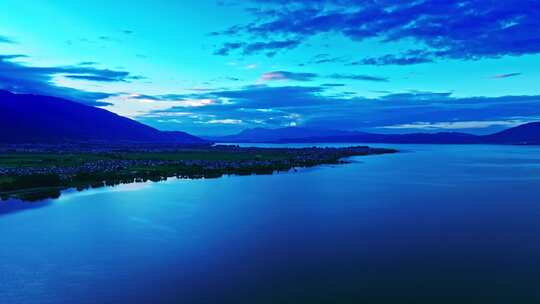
x=284, y=75
x=358, y=77
x=460, y=125
x=502, y=76
x=270, y=47
x=294, y=76
x=4, y=39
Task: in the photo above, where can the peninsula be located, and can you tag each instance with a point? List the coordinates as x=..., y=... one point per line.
x=36, y=172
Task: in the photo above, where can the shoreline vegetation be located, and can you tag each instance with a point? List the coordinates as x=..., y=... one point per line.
x=32, y=173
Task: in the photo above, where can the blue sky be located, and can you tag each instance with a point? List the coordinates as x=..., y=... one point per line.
x=217, y=67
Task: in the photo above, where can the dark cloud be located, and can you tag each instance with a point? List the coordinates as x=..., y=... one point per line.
x=466, y=29
x=20, y=78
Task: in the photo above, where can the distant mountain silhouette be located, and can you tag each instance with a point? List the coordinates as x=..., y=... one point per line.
x=524, y=134
x=28, y=118
x=281, y=134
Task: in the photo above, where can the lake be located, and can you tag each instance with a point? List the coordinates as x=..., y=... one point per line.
x=432, y=224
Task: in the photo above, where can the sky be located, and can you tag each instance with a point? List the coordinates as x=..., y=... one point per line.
x=216, y=67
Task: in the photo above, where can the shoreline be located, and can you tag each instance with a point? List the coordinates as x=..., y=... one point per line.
x=34, y=176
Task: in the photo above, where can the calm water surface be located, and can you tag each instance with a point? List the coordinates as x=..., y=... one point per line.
x=434, y=224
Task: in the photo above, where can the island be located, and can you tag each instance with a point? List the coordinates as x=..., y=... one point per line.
x=36, y=172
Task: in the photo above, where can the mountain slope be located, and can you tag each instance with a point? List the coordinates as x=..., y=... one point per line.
x=524, y=134
x=34, y=118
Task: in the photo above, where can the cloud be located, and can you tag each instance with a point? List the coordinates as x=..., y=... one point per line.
x=87, y=63
x=256, y=47
x=261, y=96
x=501, y=76
x=406, y=58
x=323, y=58
x=4, y=39
x=270, y=47
x=358, y=77
x=228, y=47
x=321, y=107
x=227, y=121
x=333, y=85
x=466, y=29
x=459, y=125
x=328, y=60
x=20, y=78
x=284, y=75
x=101, y=76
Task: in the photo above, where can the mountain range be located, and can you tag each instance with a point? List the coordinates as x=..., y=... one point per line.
x=26, y=118
x=524, y=134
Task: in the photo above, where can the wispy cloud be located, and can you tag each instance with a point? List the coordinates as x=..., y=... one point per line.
x=409, y=57
x=4, y=39
x=284, y=75
x=501, y=76
x=358, y=77
x=226, y=121
x=268, y=47
x=296, y=76
x=457, y=125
